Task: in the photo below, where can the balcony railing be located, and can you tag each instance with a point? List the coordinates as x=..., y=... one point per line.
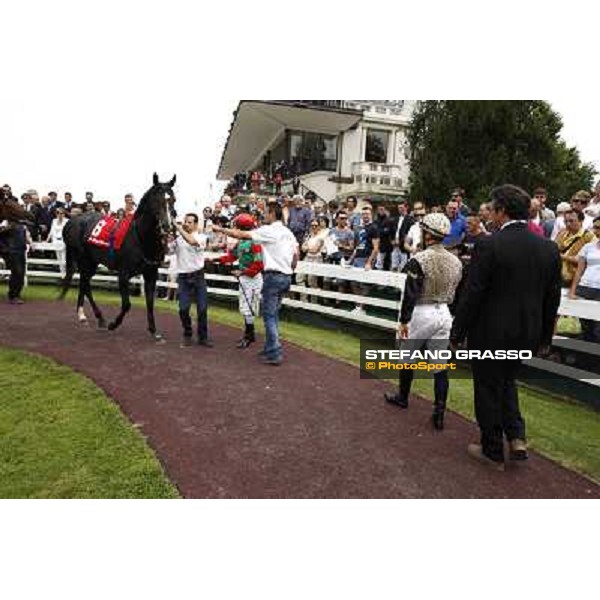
x=382, y=108
x=389, y=108
x=370, y=175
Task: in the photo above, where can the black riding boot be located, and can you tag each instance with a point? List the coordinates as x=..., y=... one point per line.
x=248, y=336
x=440, y=395
x=401, y=398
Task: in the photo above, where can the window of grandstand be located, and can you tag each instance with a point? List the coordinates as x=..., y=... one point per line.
x=312, y=152
x=377, y=146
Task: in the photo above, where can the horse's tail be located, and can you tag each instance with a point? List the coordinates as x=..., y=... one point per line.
x=71, y=269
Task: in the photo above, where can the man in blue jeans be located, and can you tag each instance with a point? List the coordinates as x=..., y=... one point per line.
x=280, y=255
x=189, y=250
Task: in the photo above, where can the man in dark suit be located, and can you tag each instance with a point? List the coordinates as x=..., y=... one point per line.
x=68, y=203
x=403, y=222
x=43, y=218
x=13, y=247
x=509, y=302
x=54, y=204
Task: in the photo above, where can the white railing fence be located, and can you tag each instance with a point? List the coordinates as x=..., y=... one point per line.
x=393, y=283
x=389, y=284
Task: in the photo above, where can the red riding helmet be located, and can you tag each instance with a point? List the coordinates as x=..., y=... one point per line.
x=244, y=221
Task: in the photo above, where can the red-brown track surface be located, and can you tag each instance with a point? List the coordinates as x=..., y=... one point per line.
x=225, y=426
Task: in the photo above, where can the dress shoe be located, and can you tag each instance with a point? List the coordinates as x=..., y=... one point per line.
x=395, y=400
x=517, y=450
x=475, y=451
x=206, y=343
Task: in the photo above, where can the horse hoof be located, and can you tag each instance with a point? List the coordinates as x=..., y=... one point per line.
x=83, y=321
x=159, y=339
x=112, y=326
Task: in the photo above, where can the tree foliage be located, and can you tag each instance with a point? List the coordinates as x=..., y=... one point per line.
x=478, y=144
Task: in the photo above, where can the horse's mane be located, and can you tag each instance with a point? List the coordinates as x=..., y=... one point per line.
x=141, y=207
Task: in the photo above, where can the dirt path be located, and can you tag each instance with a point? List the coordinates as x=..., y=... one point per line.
x=225, y=426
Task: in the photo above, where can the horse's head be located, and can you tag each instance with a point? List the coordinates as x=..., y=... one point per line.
x=13, y=211
x=158, y=204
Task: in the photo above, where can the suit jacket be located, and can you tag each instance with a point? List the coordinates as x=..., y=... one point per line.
x=512, y=294
x=34, y=228
x=407, y=223
x=387, y=230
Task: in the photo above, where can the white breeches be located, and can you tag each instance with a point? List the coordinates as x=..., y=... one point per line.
x=429, y=328
x=249, y=295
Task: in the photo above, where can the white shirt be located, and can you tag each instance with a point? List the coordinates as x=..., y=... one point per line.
x=56, y=230
x=400, y=221
x=591, y=276
x=172, y=260
x=278, y=246
x=189, y=258
x=588, y=222
x=512, y=222
x=413, y=238
x=559, y=225
x=228, y=211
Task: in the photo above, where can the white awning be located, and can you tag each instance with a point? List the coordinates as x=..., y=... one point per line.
x=258, y=125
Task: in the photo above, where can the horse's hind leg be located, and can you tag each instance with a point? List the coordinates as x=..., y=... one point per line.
x=88, y=292
x=81, y=298
x=125, y=302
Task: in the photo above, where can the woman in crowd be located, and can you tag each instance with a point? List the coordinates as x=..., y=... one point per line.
x=570, y=241
x=338, y=246
x=313, y=248
x=56, y=237
x=586, y=282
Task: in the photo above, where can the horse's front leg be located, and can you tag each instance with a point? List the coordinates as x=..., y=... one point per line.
x=125, y=302
x=150, y=293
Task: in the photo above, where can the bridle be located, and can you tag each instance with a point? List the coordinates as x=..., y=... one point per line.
x=160, y=232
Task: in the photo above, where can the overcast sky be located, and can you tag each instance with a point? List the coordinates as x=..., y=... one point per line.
x=100, y=95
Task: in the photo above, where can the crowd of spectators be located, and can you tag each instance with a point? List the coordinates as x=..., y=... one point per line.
x=357, y=234
x=270, y=181
x=49, y=212
x=49, y=216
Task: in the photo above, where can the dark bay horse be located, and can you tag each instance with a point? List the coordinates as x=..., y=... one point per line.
x=13, y=211
x=141, y=253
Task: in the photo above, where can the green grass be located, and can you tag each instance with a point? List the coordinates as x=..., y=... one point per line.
x=568, y=326
x=559, y=428
x=61, y=437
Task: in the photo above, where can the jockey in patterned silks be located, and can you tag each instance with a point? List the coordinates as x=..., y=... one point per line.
x=432, y=277
x=248, y=255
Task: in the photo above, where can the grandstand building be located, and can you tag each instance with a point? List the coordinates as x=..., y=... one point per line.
x=336, y=147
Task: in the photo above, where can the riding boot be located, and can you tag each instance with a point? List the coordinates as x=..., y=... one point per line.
x=401, y=398
x=249, y=337
x=440, y=394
